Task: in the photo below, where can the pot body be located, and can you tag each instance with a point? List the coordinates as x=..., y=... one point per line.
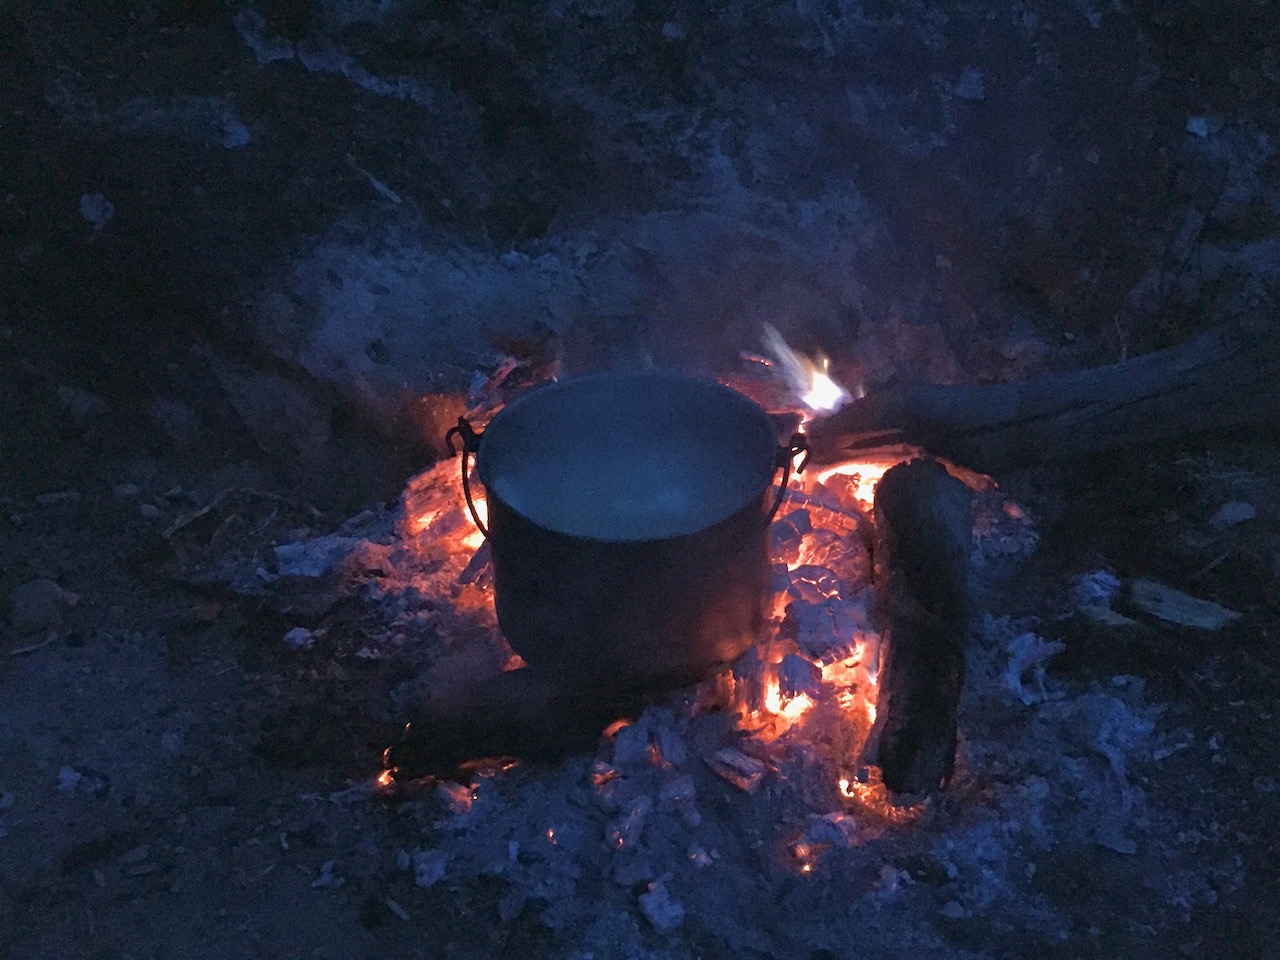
x=628, y=524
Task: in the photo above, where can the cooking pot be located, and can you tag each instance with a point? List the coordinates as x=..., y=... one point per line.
x=628, y=519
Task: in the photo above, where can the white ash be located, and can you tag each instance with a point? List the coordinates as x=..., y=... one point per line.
x=657, y=905
x=299, y=638
x=1024, y=674
x=1097, y=588
x=685, y=825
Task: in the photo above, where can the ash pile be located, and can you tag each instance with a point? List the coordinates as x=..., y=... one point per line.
x=736, y=816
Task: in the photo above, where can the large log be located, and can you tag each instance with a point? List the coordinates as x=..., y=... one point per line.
x=1227, y=377
x=923, y=532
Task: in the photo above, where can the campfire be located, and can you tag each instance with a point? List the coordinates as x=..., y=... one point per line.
x=807, y=692
x=881, y=746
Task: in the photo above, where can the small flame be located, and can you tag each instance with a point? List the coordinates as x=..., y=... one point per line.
x=866, y=474
x=811, y=379
x=789, y=709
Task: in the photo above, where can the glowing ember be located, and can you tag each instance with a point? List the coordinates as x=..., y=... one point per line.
x=873, y=798
x=419, y=523
x=866, y=475
x=475, y=539
x=810, y=379
x=613, y=728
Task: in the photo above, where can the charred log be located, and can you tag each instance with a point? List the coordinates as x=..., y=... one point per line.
x=1226, y=377
x=523, y=713
x=923, y=529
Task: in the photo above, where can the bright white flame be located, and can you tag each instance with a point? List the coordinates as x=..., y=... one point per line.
x=810, y=379
x=825, y=393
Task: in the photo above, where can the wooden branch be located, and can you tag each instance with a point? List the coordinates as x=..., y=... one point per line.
x=923, y=530
x=1227, y=377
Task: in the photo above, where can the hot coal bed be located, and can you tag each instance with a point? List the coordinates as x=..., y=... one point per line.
x=748, y=810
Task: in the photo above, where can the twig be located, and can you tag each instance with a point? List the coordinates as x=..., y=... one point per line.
x=192, y=516
x=35, y=646
x=374, y=182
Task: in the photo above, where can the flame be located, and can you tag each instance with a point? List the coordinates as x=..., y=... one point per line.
x=790, y=709
x=810, y=379
x=867, y=475
x=421, y=522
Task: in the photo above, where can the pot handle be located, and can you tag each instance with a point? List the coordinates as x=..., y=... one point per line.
x=797, y=445
x=470, y=444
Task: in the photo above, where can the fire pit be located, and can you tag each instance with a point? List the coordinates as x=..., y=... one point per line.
x=630, y=524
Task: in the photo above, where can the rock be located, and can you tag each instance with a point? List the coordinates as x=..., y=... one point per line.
x=1233, y=512
x=38, y=606
x=1204, y=126
x=299, y=638
x=970, y=86
x=97, y=209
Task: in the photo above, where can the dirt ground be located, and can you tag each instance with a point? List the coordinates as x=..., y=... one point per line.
x=169, y=767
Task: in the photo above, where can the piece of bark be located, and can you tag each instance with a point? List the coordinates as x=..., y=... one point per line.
x=1174, y=606
x=1226, y=377
x=923, y=533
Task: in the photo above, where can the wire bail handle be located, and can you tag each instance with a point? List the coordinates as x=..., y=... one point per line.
x=470, y=443
x=798, y=444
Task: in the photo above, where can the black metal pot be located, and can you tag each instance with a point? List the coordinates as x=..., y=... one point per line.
x=628, y=520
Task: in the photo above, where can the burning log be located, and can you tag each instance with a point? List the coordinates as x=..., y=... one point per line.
x=1226, y=377
x=923, y=526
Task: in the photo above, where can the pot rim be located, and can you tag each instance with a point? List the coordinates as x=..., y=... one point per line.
x=763, y=481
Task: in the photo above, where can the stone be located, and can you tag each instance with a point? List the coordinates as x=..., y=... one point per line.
x=1233, y=512
x=39, y=605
